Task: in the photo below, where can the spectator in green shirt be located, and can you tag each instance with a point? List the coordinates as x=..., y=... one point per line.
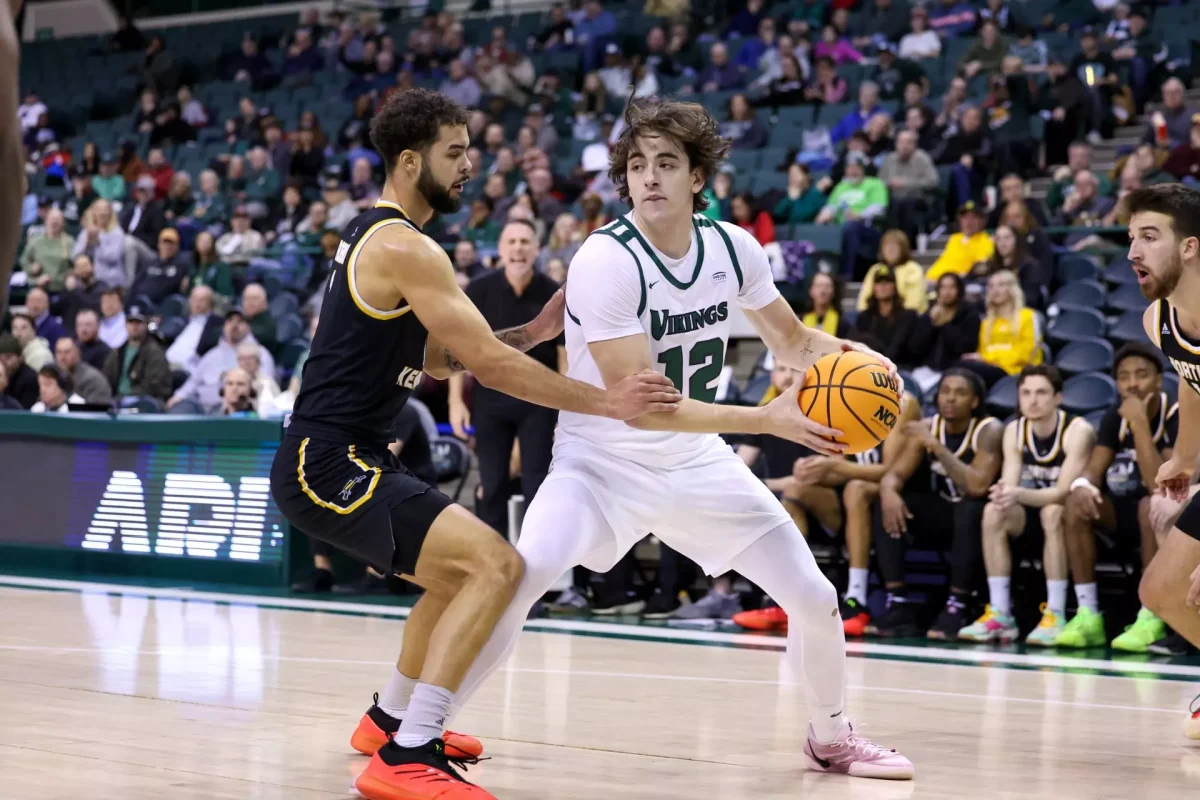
x=208, y=269
x=210, y=207
x=987, y=54
x=1079, y=159
x=109, y=184
x=262, y=183
x=803, y=200
x=262, y=321
x=855, y=202
x=47, y=258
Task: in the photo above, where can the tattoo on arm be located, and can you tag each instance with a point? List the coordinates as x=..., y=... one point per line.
x=517, y=338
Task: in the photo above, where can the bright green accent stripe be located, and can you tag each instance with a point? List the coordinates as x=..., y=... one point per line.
x=671, y=279
x=641, y=275
x=737, y=268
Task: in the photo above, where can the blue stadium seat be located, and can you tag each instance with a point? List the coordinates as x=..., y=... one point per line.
x=755, y=388
x=1074, y=324
x=1002, y=399
x=283, y=304
x=1119, y=273
x=290, y=353
x=170, y=328
x=1076, y=267
x=1128, y=328
x=1080, y=294
x=1127, y=297
x=1085, y=355
x=826, y=238
x=288, y=327
x=173, y=306
x=1089, y=392
x=1094, y=418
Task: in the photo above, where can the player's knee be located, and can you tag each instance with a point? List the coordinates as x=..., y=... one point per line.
x=808, y=597
x=855, y=491
x=1052, y=518
x=500, y=564
x=1153, y=591
x=993, y=519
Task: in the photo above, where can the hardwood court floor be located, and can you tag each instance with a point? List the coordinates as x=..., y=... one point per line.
x=133, y=697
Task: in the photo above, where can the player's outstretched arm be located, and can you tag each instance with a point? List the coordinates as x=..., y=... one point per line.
x=440, y=363
x=12, y=186
x=630, y=355
x=1077, y=443
x=427, y=284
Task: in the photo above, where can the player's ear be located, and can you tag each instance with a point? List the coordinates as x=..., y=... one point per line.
x=1189, y=247
x=697, y=180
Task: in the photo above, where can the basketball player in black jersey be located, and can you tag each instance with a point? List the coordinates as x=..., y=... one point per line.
x=12, y=153
x=935, y=492
x=1164, y=251
x=1113, y=495
x=1045, y=450
x=393, y=311
x=838, y=492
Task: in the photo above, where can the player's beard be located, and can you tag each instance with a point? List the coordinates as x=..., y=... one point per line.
x=438, y=196
x=1159, y=288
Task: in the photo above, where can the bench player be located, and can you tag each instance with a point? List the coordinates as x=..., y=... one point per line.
x=935, y=490
x=1045, y=450
x=1135, y=438
x=1164, y=250
x=838, y=493
x=392, y=310
x=653, y=289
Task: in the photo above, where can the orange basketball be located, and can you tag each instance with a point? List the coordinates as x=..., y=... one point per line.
x=852, y=392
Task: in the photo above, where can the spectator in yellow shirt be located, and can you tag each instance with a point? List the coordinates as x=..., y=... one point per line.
x=966, y=248
x=895, y=253
x=1009, y=335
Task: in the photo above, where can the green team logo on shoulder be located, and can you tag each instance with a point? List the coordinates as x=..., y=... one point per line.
x=664, y=323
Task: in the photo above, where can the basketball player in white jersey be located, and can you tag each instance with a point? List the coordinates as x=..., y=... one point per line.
x=1164, y=250
x=654, y=289
x=12, y=152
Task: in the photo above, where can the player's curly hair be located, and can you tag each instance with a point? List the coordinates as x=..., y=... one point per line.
x=411, y=120
x=688, y=124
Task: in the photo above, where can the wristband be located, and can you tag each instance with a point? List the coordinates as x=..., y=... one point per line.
x=1082, y=481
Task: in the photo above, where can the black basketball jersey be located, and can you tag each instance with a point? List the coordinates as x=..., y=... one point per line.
x=1182, y=352
x=963, y=445
x=1042, y=459
x=1123, y=478
x=364, y=362
x=868, y=457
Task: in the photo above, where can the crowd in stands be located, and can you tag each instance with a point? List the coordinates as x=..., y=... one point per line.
x=941, y=155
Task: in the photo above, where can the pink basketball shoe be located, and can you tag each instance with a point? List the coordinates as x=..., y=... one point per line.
x=856, y=756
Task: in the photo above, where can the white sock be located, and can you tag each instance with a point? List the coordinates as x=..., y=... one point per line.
x=998, y=595
x=829, y=729
x=425, y=718
x=1085, y=594
x=858, y=585
x=1056, y=597
x=397, y=693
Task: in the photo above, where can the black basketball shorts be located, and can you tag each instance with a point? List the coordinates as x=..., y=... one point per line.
x=358, y=499
x=1189, y=520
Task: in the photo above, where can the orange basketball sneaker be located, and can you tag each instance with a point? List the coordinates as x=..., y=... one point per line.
x=763, y=619
x=417, y=773
x=377, y=726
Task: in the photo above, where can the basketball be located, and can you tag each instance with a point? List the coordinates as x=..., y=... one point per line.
x=853, y=393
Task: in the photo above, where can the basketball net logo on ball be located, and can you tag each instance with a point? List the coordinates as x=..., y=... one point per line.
x=854, y=393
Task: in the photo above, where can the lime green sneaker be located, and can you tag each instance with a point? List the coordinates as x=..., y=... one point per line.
x=1145, y=631
x=1085, y=630
x=1047, y=631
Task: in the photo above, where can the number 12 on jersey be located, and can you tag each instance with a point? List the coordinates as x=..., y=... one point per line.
x=709, y=356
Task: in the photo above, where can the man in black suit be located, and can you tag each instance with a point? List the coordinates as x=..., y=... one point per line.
x=22, y=382
x=143, y=218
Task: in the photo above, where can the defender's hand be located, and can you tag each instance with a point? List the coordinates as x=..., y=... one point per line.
x=1174, y=477
x=646, y=392
x=783, y=418
x=549, y=322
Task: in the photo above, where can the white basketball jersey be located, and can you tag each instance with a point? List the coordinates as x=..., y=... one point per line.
x=620, y=285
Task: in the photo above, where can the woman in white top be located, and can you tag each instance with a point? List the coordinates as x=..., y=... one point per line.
x=921, y=42
x=104, y=242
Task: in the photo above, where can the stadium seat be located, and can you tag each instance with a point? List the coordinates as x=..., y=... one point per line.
x=288, y=327
x=175, y=305
x=1002, y=399
x=1074, y=324
x=1118, y=272
x=1127, y=297
x=283, y=304
x=755, y=388
x=1089, y=392
x=825, y=238
x=1094, y=418
x=170, y=328
x=1077, y=268
x=1128, y=328
x=1080, y=294
x=1085, y=355
x=452, y=460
